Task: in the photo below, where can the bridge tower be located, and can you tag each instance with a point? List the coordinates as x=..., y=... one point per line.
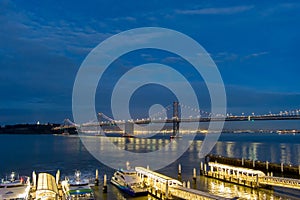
x=175, y=118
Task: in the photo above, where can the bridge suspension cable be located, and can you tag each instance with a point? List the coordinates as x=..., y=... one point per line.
x=100, y=114
x=68, y=122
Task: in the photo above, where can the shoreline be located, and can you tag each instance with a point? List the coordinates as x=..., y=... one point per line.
x=52, y=128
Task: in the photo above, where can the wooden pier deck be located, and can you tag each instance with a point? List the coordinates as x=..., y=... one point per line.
x=247, y=177
x=164, y=187
x=280, y=182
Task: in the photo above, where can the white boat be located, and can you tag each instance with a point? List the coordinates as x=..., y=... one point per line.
x=129, y=182
x=15, y=187
x=46, y=187
x=77, y=188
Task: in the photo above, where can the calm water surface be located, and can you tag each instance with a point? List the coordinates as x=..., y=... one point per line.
x=47, y=153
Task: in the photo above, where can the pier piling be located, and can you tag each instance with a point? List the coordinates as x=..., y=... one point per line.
x=179, y=172
x=104, y=184
x=201, y=168
x=34, y=179
x=97, y=178
x=194, y=174
x=57, y=177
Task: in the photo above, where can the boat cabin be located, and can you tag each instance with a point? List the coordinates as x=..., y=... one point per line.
x=46, y=187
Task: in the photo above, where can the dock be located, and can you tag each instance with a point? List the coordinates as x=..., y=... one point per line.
x=160, y=186
x=164, y=187
x=247, y=177
x=237, y=175
x=282, y=169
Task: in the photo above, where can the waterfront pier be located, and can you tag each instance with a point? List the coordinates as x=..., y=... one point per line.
x=265, y=166
x=247, y=177
x=164, y=187
x=238, y=175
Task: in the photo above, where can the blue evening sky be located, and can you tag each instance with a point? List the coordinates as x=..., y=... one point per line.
x=255, y=45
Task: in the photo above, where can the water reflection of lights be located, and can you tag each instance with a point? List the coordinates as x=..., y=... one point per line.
x=219, y=148
x=174, y=145
x=283, y=152
x=253, y=151
x=272, y=152
x=230, y=191
x=230, y=149
x=244, y=151
x=137, y=144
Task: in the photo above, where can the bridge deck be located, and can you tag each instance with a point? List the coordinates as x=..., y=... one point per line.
x=181, y=120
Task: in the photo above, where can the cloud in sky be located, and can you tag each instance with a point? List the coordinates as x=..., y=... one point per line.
x=216, y=10
x=229, y=56
x=253, y=55
x=280, y=8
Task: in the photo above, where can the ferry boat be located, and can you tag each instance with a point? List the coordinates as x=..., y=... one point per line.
x=129, y=182
x=15, y=187
x=77, y=188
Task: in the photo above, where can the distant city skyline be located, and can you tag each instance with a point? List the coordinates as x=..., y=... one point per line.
x=42, y=45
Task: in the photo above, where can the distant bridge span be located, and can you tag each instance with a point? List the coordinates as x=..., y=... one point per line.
x=187, y=120
x=176, y=120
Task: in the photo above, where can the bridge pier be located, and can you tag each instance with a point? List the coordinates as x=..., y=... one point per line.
x=129, y=128
x=175, y=118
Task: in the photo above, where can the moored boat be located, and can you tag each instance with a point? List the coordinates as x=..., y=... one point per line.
x=77, y=188
x=129, y=182
x=15, y=187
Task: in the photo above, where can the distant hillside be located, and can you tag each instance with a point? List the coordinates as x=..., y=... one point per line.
x=29, y=129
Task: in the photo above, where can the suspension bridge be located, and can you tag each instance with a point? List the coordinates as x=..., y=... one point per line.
x=175, y=120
